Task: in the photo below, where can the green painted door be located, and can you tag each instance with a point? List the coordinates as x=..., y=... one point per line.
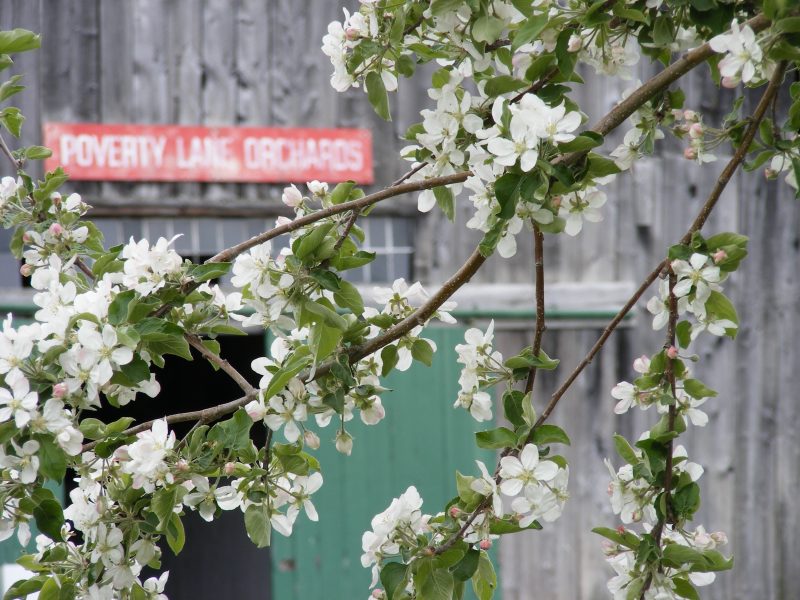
x=422, y=441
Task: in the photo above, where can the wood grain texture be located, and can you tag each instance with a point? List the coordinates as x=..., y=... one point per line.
x=221, y=62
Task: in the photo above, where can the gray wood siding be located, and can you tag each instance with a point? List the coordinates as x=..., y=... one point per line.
x=246, y=62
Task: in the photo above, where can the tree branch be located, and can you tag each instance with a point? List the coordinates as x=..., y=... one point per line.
x=196, y=343
x=702, y=217
x=538, y=257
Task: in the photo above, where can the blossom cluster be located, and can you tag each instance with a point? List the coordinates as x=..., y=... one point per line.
x=483, y=367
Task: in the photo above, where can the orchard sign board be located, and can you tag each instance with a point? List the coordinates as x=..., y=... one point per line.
x=104, y=152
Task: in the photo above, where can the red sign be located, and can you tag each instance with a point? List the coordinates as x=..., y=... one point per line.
x=102, y=152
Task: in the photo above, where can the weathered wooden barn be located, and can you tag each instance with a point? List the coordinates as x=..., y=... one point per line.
x=257, y=63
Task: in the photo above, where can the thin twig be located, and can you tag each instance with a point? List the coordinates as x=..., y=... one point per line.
x=538, y=257
x=7, y=151
x=212, y=357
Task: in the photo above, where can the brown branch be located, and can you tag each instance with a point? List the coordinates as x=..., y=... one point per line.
x=538, y=257
x=196, y=343
x=669, y=374
x=359, y=204
x=7, y=151
x=697, y=224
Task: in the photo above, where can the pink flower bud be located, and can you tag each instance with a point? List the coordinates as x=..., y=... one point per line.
x=689, y=153
x=621, y=529
x=378, y=594
x=455, y=512
x=770, y=173
x=352, y=33
x=229, y=468
x=26, y=237
x=311, y=439
x=255, y=410
x=719, y=256
x=55, y=229
x=690, y=115
x=121, y=454
x=485, y=544
x=59, y=389
x=672, y=352
x=609, y=548
x=677, y=113
x=182, y=465
x=729, y=82
x=26, y=270
x=696, y=131
x=282, y=221
x=556, y=201
x=575, y=43
x=56, y=198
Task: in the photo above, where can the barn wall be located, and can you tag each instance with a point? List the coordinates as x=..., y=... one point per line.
x=217, y=62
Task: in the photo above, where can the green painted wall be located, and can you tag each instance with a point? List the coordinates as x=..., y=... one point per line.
x=422, y=441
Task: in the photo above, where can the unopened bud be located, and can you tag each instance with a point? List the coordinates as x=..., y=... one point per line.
x=56, y=198
x=229, y=468
x=719, y=256
x=121, y=454
x=556, y=201
x=621, y=529
x=311, y=439
x=255, y=410
x=26, y=237
x=696, y=130
x=352, y=33
x=282, y=221
x=344, y=442
x=689, y=153
x=55, y=229
x=672, y=352
x=485, y=544
x=575, y=43
x=182, y=465
x=59, y=389
x=292, y=196
x=378, y=594
x=455, y=512
x=26, y=270
x=770, y=173
x=729, y=82
x=690, y=115
x=609, y=548
x=677, y=113
x=720, y=538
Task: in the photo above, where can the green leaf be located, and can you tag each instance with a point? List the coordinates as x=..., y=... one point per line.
x=468, y=496
x=348, y=296
x=208, y=271
x=445, y=201
x=50, y=590
x=566, y=59
x=18, y=40
x=684, y=589
x=697, y=389
x=52, y=459
x=341, y=192
x=37, y=152
x=683, y=332
x=10, y=87
x=49, y=518
x=625, y=450
x=503, y=527
x=487, y=29
x=529, y=30
x=176, y=536
x=627, y=539
x=394, y=578
x=437, y=586
x=467, y=566
x=324, y=340
x=326, y=315
x=507, y=189
x=512, y=407
x=256, y=522
x=484, y=581
x=719, y=307
x=600, y=166
x=25, y=587
x=162, y=506
x=584, y=142
x=291, y=367
x=549, y=434
x=500, y=437
x=440, y=7
x=422, y=352
x=502, y=84
x=389, y=359
x=307, y=245
x=11, y=118
x=377, y=96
